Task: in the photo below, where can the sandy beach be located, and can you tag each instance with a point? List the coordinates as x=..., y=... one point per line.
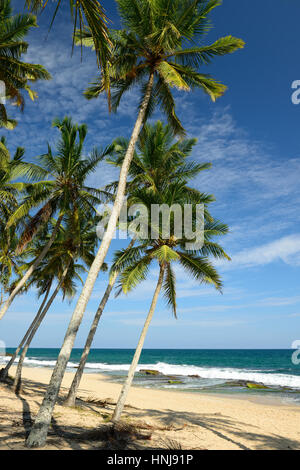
x=164, y=418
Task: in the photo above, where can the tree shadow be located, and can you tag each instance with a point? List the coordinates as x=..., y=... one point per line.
x=236, y=433
x=69, y=434
x=26, y=416
x=225, y=428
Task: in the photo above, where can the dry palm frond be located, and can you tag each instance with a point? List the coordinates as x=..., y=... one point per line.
x=170, y=444
x=35, y=223
x=118, y=436
x=98, y=401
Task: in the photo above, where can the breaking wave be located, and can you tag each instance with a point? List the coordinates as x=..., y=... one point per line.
x=268, y=377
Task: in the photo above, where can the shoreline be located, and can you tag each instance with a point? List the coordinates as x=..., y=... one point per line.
x=268, y=396
x=257, y=396
x=206, y=421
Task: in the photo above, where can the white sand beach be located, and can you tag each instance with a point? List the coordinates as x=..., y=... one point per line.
x=166, y=418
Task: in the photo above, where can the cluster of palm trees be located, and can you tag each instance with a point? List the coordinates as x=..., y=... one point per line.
x=47, y=209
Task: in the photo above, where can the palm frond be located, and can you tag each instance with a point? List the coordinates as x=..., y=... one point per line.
x=200, y=268
x=170, y=288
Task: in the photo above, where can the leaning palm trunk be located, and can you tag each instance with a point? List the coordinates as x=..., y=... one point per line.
x=4, y=372
x=124, y=392
x=17, y=380
x=39, y=431
x=34, y=265
x=71, y=398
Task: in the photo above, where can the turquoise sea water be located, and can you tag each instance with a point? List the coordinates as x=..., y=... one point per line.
x=198, y=370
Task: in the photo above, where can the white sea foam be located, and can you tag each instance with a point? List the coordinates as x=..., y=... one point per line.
x=208, y=373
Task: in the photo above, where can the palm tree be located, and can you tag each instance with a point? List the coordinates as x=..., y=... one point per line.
x=63, y=191
x=14, y=72
x=134, y=266
x=160, y=159
x=61, y=262
x=155, y=50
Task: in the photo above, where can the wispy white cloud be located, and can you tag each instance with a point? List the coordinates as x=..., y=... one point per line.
x=189, y=323
x=285, y=249
x=280, y=301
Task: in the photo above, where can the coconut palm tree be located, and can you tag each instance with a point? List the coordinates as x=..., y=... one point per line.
x=71, y=253
x=63, y=191
x=159, y=160
x=135, y=263
x=156, y=50
x=16, y=74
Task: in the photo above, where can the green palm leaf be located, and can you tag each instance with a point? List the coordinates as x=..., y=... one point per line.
x=170, y=288
x=200, y=268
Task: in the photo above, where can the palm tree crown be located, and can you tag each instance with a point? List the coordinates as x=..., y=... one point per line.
x=134, y=264
x=83, y=12
x=63, y=191
x=68, y=249
x=64, y=188
x=158, y=160
x=162, y=38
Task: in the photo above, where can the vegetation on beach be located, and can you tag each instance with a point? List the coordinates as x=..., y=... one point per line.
x=48, y=211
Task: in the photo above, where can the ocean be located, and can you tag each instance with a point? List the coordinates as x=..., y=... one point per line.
x=193, y=370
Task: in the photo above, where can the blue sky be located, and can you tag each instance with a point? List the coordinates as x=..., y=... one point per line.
x=251, y=137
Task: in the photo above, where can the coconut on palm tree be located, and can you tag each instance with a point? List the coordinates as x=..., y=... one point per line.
x=62, y=191
x=155, y=50
x=15, y=73
x=166, y=252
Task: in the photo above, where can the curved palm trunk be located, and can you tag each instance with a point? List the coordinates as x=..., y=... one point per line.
x=39, y=431
x=71, y=398
x=26, y=276
x=124, y=392
x=1, y=293
x=17, y=380
x=4, y=371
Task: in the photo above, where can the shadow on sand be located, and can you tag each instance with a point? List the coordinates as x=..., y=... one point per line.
x=79, y=437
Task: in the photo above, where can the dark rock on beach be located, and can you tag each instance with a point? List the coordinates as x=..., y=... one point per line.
x=245, y=384
x=150, y=372
x=256, y=385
